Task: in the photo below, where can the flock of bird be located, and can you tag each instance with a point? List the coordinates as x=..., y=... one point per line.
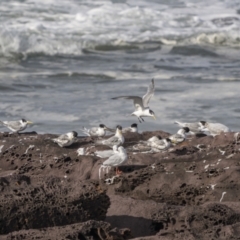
x=118, y=155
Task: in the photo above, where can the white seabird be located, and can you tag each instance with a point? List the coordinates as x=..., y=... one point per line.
x=133, y=128
x=99, y=131
x=117, y=139
x=141, y=104
x=161, y=144
x=213, y=128
x=145, y=145
x=180, y=136
x=193, y=127
x=153, y=144
x=67, y=139
x=106, y=153
x=117, y=159
x=16, y=126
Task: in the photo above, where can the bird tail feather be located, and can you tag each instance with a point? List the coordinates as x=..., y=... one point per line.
x=85, y=131
x=179, y=123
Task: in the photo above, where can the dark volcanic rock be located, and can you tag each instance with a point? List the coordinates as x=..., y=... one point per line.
x=90, y=230
x=190, y=191
x=28, y=202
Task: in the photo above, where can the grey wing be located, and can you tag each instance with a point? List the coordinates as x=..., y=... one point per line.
x=114, y=160
x=180, y=123
x=146, y=98
x=111, y=141
x=104, y=154
x=63, y=140
x=141, y=147
x=93, y=131
x=217, y=127
x=63, y=137
x=176, y=138
x=13, y=124
x=159, y=145
x=159, y=142
x=137, y=101
x=194, y=127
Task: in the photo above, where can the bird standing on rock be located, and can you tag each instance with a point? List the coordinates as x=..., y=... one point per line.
x=117, y=139
x=213, y=128
x=16, y=126
x=141, y=104
x=117, y=159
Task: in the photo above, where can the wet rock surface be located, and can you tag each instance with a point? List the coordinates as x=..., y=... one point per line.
x=190, y=191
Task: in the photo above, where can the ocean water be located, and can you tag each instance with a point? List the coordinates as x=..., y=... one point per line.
x=61, y=62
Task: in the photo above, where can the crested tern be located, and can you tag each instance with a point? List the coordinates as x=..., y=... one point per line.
x=67, y=139
x=193, y=127
x=141, y=104
x=213, y=128
x=161, y=144
x=132, y=128
x=180, y=136
x=145, y=145
x=117, y=139
x=99, y=131
x=117, y=159
x=153, y=145
x=16, y=126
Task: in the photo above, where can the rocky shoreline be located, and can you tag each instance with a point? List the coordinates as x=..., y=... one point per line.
x=188, y=192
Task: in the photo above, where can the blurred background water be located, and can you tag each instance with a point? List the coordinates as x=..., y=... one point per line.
x=61, y=62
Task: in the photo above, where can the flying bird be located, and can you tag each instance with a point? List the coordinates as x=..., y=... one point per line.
x=141, y=103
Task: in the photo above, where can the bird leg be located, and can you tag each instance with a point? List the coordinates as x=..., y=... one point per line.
x=118, y=172
x=139, y=120
x=142, y=119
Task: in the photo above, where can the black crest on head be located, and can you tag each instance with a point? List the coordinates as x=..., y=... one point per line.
x=101, y=125
x=159, y=137
x=203, y=123
x=168, y=140
x=24, y=120
x=75, y=134
x=151, y=112
x=119, y=127
x=186, y=129
x=134, y=125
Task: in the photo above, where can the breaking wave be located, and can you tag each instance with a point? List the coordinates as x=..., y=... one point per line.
x=74, y=27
